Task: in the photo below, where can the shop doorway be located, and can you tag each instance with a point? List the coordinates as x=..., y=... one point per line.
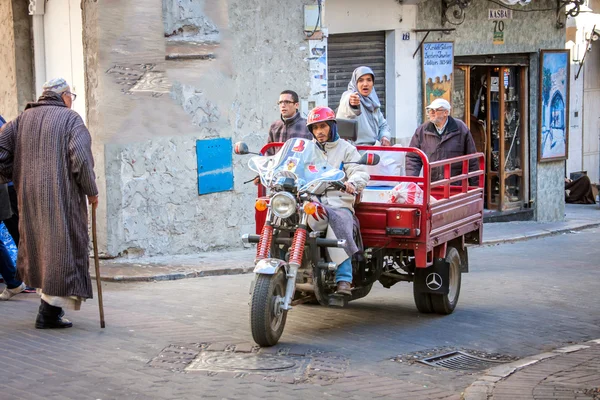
x=492, y=100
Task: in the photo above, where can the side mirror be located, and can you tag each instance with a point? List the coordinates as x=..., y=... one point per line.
x=240, y=148
x=369, y=159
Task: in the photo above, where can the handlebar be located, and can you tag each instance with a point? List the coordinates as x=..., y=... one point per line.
x=338, y=185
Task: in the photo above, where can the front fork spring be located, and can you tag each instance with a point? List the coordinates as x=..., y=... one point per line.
x=264, y=244
x=297, y=248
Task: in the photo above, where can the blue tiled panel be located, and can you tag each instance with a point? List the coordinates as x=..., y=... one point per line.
x=215, y=170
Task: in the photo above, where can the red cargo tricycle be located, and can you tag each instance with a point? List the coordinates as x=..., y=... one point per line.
x=420, y=243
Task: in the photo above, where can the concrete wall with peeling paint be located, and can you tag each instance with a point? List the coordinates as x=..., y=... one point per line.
x=8, y=86
x=209, y=69
x=16, y=71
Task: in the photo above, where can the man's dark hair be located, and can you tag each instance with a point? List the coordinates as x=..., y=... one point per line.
x=293, y=94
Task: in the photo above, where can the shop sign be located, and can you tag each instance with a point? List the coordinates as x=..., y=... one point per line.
x=499, y=14
x=498, y=37
x=438, y=68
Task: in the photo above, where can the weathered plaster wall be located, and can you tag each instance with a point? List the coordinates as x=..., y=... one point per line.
x=94, y=120
x=8, y=74
x=23, y=54
x=147, y=113
x=16, y=71
x=188, y=21
x=527, y=32
x=344, y=16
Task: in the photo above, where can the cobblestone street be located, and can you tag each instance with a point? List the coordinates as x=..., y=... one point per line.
x=518, y=300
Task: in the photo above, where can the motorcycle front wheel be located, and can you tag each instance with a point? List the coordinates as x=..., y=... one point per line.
x=267, y=319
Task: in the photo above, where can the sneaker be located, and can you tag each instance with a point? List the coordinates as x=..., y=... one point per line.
x=8, y=293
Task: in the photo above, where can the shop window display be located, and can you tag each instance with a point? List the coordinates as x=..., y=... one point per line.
x=494, y=97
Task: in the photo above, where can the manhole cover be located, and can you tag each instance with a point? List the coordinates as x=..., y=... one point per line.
x=461, y=361
x=244, y=362
x=175, y=357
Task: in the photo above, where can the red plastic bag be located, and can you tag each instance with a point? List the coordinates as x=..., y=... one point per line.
x=406, y=193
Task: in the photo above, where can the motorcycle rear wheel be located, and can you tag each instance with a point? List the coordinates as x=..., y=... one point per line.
x=267, y=319
x=446, y=303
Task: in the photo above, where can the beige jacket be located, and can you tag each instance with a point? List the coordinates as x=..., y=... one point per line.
x=336, y=152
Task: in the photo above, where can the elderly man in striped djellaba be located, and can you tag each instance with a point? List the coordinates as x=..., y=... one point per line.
x=46, y=152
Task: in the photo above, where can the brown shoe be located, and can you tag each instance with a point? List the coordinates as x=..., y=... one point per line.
x=344, y=288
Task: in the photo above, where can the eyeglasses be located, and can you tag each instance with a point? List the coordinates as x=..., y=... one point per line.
x=73, y=95
x=286, y=102
x=431, y=110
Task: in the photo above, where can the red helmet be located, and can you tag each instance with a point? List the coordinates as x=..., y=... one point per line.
x=320, y=114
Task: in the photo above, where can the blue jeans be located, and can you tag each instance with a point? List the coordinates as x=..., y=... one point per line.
x=7, y=268
x=344, y=271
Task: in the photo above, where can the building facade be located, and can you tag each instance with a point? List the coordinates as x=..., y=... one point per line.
x=169, y=86
x=583, y=34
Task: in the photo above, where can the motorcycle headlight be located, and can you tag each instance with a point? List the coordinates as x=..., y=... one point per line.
x=283, y=205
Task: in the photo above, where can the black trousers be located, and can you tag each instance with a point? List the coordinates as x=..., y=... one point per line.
x=12, y=224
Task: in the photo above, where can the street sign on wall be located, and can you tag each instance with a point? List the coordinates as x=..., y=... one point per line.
x=215, y=169
x=501, y=13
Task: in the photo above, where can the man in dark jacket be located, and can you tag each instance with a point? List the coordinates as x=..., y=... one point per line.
x=290, y=124
x=441, y=138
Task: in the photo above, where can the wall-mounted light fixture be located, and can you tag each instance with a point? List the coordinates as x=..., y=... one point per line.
x=453, y=11
x=572, y=9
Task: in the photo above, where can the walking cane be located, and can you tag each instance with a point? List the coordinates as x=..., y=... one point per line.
x=97, y=266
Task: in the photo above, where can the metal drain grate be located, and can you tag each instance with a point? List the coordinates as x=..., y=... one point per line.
x=460, y=361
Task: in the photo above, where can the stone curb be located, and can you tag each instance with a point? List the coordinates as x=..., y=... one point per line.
x=483, y=388
x=245, y=270
x=538, y=235
x=177, y=275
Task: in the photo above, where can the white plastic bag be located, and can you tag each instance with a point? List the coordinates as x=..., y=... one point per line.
x=391, y=163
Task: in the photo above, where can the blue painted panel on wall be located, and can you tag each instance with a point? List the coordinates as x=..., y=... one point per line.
x=215, y=170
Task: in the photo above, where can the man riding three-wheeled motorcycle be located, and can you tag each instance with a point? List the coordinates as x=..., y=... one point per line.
x=310, y=248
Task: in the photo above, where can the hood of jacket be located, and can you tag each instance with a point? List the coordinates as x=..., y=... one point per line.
x=47, y=99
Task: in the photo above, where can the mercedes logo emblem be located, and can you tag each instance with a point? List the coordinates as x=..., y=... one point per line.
x=433, y=281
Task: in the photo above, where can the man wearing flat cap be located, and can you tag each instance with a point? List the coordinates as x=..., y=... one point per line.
x=441, y=138
x=46, y=152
